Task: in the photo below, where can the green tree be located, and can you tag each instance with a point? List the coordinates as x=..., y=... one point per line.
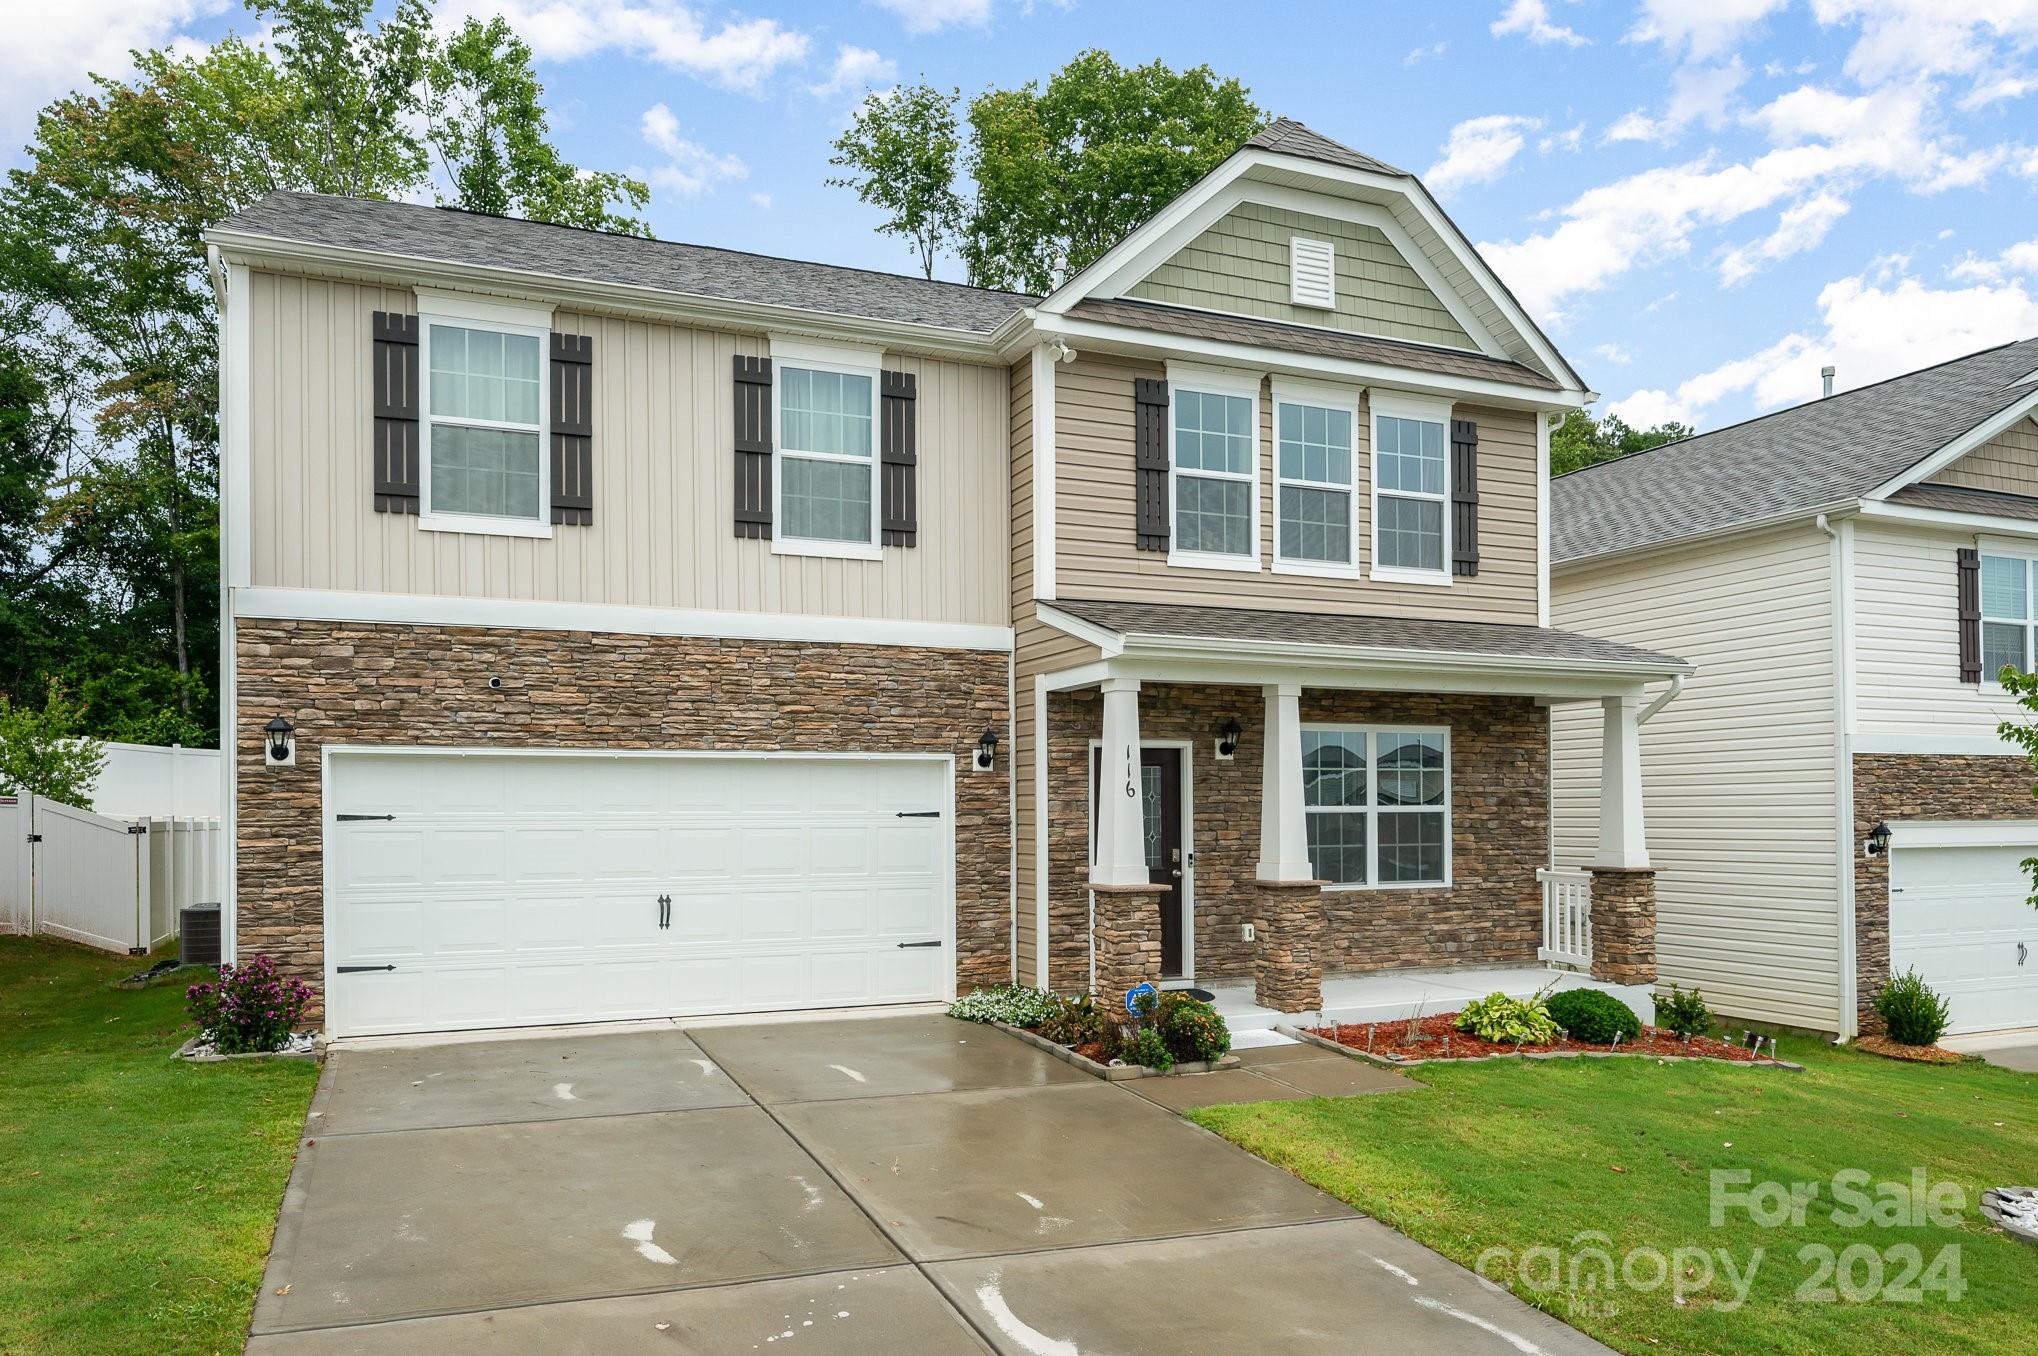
x=2023, y=687
x=900, y=155
x=44, y=752
x=1582, y=441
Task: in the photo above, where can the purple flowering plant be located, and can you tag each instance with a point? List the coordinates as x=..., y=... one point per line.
x=249, y=1008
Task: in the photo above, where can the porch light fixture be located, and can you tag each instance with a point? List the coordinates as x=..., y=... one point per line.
x=1227, y=738
x=279, y=743
x=1878, y=840
x=987, y=750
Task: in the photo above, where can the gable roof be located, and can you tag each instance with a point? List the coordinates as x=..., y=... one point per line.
x=1291, y=138
x=1825, y=455
x=448, y=236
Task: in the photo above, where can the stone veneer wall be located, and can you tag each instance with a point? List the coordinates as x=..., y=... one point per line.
x=428, y=685
x=1919, y=786
x=1492, y=914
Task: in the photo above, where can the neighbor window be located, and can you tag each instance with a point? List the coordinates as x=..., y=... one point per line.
x=1377, y=804
x=1215, y=474
x=1411, y=488
x=826, y=441
x=1313, y=483
x=2005, y=615
x=485, y=407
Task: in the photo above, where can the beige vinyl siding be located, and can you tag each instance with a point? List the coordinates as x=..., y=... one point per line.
x=2007, y=463
x=1240, y=264
x=1096, y=554
x=1738, y=773
x=664, y=480
x=1907, y=637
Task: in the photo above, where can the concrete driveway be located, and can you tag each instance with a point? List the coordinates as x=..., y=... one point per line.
x=886, y=1185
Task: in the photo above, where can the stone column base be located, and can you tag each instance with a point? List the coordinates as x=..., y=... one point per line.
x=1624, y=924
x=1287, y=963
x=1126, y=940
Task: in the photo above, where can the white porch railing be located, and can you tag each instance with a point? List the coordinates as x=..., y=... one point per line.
x=1567, y=916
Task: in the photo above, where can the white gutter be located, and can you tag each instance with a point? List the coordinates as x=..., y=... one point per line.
x=1841, y=565
x=1663, y=699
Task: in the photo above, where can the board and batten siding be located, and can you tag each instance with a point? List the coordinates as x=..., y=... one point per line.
x=1738, y=773
x=2007, y=463
x=1097, y=557
x=664, y=480
x=1907, y=638
x=1240, y=264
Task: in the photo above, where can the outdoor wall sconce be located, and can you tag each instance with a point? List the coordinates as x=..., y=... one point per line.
x=279, y=745
x=987, y=751
x=1878, y=840
x=1227, y=739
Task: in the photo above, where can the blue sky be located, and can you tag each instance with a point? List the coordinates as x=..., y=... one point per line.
x=1703, y=201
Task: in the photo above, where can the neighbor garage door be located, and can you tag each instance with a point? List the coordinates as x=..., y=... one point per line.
x=483, y=890
x=1959, y=916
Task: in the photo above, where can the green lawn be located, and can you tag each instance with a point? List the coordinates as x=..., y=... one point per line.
x=1517, y=1155
x=137, y=1193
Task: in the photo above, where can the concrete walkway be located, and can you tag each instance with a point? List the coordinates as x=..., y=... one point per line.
x=896, y=1186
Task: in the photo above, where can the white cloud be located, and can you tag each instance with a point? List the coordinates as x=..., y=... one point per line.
x=1570, y=139
x=2019, y=258
x=856, y=69
x=1699, y=30
x=1531, y=18
x=1802, y=227
x=1905, y=38
x=1697, y=94
x=762, y=201
x=690, y=168
x=1998, y=90
x=1479, y=149
x=928, y=16
x=51, y=49
x=1422, y=54
x=739, y=54
x=1613, y=353
x=1649, y=408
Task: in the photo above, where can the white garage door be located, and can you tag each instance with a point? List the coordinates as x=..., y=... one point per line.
x=485, y=890
x=1958, y=916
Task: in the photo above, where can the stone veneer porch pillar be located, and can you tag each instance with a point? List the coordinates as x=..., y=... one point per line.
x=1125, y=939
x=1624, y=924
x=1287, y=963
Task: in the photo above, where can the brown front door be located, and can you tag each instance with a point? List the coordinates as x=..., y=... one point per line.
x=1160, y=772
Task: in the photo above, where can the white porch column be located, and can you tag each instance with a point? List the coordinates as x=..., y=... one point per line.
x=1622, y=842
x=1121, y=818
x=1284, y=838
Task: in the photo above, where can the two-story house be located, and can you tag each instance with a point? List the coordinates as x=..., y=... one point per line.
x=618, y=628
x=1829, y=799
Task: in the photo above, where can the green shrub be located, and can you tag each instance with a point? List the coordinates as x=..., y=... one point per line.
x=1012, y=1004
x=1073, y=1022
x=1193, y=1029
x=1683, y=1012
x=1911, y=1012
x=1145, y=1046
x=1509, y=1021
x=1594, y=1017
x=249, y=1008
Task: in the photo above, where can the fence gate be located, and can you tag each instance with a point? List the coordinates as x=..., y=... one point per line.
x=115, y=884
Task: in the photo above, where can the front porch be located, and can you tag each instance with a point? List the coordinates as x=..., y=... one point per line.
x=1399, y=994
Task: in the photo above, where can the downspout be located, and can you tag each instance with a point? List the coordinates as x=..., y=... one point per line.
x=1842, y=567
x=1663, y=699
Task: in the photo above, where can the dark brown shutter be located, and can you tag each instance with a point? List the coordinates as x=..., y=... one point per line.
x=753, y=447
x=1969, y=567
x=1464, y=497
x=1150, y=461
x=397, y=407
x=573, y=429
x=899, y=460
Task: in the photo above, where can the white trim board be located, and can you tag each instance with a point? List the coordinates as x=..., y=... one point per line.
x=1941, y=833
x=435, y=610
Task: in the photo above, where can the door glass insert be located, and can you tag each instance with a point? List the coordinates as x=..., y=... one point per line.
x=1150, y=788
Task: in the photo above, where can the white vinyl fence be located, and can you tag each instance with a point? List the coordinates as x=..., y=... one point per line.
x=154, y=779
x=112, y=883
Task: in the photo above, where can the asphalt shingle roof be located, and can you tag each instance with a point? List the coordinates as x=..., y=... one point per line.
x=1962, y=499
x=1291, y=138
x=1454, y=638
x=1824, y=454
x=444, y=235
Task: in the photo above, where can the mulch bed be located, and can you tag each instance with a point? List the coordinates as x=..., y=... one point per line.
x=1917, y=1054
x=1445, y=1041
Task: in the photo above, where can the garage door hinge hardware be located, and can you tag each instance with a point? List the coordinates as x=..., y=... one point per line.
x=363, y=969
x=355, y=819
x=919, y=814
x=905, y=945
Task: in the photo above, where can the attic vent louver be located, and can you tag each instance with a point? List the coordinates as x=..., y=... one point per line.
x=1312, y=272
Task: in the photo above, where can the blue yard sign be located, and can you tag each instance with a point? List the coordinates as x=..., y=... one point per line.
x=1142, y=999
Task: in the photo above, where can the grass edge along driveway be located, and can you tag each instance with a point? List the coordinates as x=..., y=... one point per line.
x=1592, y=1157
x=138, y=1193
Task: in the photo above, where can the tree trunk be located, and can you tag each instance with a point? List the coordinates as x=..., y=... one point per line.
x=177, y=572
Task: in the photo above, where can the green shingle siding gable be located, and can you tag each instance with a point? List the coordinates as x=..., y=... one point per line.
x=1240, y=265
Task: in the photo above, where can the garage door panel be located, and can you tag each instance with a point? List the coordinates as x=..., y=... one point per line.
x=378, y=855
x=835, y=915
x=608, y=855
x=771, y=916
x=463, y=924
x=1959, y=916
x=468, y=856
x=915, y=846
x=839, y=850
x=766, y=853
x=549, y=923
x=907, y=913
x=842, y=976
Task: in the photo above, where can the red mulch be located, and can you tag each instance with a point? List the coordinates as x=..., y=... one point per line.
x=1917, y=1054
x=1093, y=1051
x=1392, y=1038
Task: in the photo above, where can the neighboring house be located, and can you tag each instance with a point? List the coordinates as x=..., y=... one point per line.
x=1847, y=576
x=619, y=628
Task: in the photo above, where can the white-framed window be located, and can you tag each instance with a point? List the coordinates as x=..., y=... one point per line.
x=1377, y=801
x=485, y=413
x=2006, y=614
x=825, y=450
x=1214, y=469
x=1411, y=489
x=1316, y=496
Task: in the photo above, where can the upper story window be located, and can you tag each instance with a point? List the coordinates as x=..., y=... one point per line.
x=484, y=423
x=1214, y=460
x=1411, y=490
x=2006, y=615
x=1377, y=803
x=826, y=433
x=1316, y=503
